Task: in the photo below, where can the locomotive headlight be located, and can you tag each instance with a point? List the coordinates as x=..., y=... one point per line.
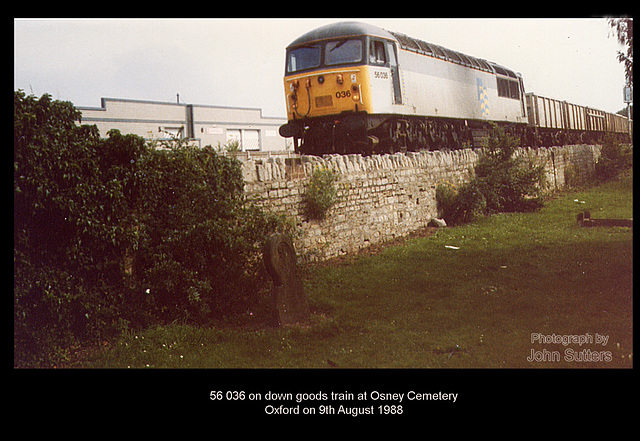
x=355, y=92
x=320, y=79
x=339, y=79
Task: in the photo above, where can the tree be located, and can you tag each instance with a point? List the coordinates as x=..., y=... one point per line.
x=623, y=28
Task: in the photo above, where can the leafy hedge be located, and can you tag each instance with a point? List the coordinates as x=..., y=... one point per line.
x=113, y=233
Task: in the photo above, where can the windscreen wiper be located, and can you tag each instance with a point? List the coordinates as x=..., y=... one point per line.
x=340, y=43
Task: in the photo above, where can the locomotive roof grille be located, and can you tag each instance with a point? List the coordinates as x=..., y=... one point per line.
x=503, y=71
x=433, y=50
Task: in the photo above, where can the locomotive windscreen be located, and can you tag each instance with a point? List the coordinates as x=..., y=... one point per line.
x=343, y=51
x=303, y=57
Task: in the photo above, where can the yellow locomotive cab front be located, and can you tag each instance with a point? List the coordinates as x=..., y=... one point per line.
x=324, y=92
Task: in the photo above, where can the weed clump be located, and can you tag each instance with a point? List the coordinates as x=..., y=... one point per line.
x=321, y=193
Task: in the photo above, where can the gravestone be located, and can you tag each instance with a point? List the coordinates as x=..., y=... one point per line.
x=290, y=302
x=585, y=220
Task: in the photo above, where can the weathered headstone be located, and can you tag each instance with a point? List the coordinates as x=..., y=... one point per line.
x=290, y=302
x=585, y=220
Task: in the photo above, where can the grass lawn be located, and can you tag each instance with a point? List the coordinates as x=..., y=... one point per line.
x=423, y=305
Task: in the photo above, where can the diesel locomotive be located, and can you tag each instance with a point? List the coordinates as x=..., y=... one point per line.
x=352, y=87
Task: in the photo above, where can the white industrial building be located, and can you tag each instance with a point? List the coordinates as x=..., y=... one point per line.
x=202, y=124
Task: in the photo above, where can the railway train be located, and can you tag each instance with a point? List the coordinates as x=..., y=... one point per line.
x=353, y=87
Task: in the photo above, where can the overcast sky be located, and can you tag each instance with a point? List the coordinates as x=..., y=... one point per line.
x=240, y=62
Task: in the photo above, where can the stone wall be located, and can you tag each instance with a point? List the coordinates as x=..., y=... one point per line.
x=382, y=197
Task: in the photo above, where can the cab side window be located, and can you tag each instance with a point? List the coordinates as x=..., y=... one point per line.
x=376, y=52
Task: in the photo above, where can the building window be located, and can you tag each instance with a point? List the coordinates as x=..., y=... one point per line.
x=233, y=135
x=250, y=140
x=247, y=139
x=171, y=132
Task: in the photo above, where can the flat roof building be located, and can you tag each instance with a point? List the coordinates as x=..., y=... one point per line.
x=204, y=124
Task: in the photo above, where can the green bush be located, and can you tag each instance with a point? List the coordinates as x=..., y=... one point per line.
x=614, y=158
x=446, y=199
x=508, y=183
x=321, y=193
x=111, y=233
x=502, y=183
x=460, y=206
